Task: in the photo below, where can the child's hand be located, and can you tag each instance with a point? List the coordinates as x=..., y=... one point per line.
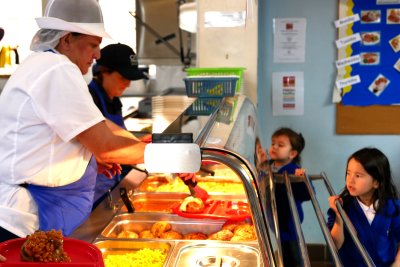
x=332, y=203
x=396, y=262
x=300, y=172
x=2, y=258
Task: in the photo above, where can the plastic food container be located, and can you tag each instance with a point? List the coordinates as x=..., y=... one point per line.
x=82, y=254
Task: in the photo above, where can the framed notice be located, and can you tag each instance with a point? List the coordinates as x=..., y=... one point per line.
x=287, y=93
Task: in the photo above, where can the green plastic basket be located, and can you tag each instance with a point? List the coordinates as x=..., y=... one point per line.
x=205, y=86
x=218, y=72
x=203, y=106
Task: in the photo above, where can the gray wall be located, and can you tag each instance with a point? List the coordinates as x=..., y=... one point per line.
x=325, y=150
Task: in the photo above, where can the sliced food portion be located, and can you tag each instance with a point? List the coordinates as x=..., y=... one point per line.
x=192, y=205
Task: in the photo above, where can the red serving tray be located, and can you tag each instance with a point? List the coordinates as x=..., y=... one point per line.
x=82, y=254
x=218, y=209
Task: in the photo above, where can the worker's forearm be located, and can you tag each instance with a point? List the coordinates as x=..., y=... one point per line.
x=122, y=150
x=112, y=148
x=117, y=130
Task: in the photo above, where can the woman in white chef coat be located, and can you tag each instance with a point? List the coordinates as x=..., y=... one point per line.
x=53, y=139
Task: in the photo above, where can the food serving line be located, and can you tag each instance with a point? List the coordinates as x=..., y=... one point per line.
x=224, y=139
x=241, y=192
x=142, y=222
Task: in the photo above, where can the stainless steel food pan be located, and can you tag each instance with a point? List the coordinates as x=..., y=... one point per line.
x=140, y=221
x=121, y=247
x=152, y=184
x=210, y=254
x=156, y=202
x=164, y=201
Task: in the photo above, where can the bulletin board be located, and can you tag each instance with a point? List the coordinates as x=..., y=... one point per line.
x=368, y=67
x=367, y=119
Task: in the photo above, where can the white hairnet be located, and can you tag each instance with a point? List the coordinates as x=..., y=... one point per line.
x=45, y=39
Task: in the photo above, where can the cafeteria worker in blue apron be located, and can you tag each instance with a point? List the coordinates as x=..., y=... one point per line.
x=112, y=75
x=53, y=138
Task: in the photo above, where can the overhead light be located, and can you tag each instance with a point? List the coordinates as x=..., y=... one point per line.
x=188, y=17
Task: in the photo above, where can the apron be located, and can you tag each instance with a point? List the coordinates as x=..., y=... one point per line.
x=116, y=118
x=103, y=183
x=65, y=207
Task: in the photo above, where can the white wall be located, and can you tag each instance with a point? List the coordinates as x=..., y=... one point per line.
x=325, y=150
x=19, y=26
x=230, y=46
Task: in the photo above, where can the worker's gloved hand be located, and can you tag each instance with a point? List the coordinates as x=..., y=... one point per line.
x=200, y=193
x=187, y=177
x=190, y=180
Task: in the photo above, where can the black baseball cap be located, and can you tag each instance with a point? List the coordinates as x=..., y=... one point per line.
x=121, y=58
x=1, y=33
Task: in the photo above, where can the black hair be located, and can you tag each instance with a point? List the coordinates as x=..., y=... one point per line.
x=98, y=70
x=296, y=141
x=377, y=165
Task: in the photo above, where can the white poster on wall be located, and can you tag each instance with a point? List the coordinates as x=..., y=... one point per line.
x=287, y=93
x=289, y=40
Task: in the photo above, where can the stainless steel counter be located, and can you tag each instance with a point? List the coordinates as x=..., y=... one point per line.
x=229, y=129
x=165, y=110
x=107, y=209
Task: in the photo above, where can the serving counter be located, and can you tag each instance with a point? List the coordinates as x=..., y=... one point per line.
x=232, y=172
x=141, y=219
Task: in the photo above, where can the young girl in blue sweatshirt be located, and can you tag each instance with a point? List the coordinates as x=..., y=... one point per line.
x=371, y=203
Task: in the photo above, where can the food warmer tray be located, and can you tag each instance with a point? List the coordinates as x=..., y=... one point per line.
x=217, y=253
x=124, y=246
x=197, y=253
x=140, y=221
x=165, y=202
x=152, y=183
